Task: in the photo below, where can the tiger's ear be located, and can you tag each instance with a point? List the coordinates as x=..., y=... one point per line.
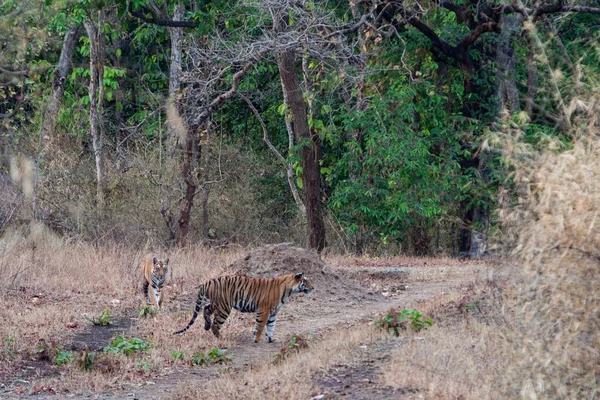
x=299, y=276
x=154, y=261
x=167, y=261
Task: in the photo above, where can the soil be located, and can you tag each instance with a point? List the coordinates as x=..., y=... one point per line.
x=343, y=296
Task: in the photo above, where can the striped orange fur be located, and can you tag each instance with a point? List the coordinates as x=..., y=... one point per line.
x=246, y=294
x=154, y=273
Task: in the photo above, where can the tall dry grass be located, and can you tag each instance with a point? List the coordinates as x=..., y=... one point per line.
x=556, y=222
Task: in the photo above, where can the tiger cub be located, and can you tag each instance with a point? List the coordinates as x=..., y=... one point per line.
x=154, y=272
x=247, y=294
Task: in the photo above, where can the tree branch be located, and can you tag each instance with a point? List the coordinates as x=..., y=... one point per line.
x=164, y=22
x=13, y=73
x=478, y=31
x=220, y=99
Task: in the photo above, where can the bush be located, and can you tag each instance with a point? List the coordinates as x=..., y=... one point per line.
x=127, y=347
x=294, y=345
x=215, y=356
x=102, y=320
x=394, y=321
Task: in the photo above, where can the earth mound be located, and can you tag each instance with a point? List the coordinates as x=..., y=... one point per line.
x=284, y=258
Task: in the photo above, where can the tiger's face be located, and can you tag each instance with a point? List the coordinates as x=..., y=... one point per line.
x=160, y=268
x=302, y=284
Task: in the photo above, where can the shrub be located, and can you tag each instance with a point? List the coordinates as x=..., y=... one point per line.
x=294, y=345
x=102, y=320
x=215, y=356
x=127, y=347
x=147, y=312
x=394, y=321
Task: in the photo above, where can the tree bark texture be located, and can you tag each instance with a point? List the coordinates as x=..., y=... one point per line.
x=61, y=72
x=508, y=92
x=96, y=93
x=311, y=175
x=190, y=184
x=176, y=35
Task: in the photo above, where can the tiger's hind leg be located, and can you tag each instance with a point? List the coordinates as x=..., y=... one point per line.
x=220, y=317
x=208, y=310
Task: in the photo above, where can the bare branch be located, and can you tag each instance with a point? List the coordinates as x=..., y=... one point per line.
x=13, y=73
x=164, y=22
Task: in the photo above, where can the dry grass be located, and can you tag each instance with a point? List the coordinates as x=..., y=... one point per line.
x=554, y=229
x=53, y=285
x=291, y=378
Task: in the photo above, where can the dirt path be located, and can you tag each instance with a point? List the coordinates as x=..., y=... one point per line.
x=357, y=379
x=392, y=286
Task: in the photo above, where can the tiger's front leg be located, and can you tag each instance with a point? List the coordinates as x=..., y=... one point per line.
x=271, y=326
x=157, y=297
x=145, y=287
x=259, y=326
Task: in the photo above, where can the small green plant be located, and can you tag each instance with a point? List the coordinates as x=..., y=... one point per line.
x=143, y=365
x=47, y=351
x=63, y=357
x=147, y=312
x=296, y=344
x=214, y=356
x=413, y=319
x=127, y=347
x=86, y=360
x=178, y=355
x=102, y=320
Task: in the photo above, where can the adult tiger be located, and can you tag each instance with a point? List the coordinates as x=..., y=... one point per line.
x=154, y=272
x=247, y=294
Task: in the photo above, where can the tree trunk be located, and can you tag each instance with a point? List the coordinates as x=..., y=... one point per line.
x=61, y=72
x=96, y=93
x=206, y=188
x=508, y=93
x=531, y=77
x=176, y=35
x=291, y=175
x=191, y=184
x=311, y=176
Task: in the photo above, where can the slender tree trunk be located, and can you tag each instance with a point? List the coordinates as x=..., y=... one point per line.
x=176, y=35
x=61, y=72
x=311, y=176
x=96, y=93
x=291, y=175
x=191, y=184
x=531, y=77
x=508, y=93
x=206, y=188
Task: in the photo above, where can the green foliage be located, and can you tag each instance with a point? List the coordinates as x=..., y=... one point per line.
x=395, y=321
x=86, y=360
x=63, y=357
x=147, y=312
x=214, y=356
x=127, y=347
x=294, y=345
x=102, y=320
x=178, y=355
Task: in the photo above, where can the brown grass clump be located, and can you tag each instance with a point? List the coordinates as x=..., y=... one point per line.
x=557, y=315
x=292, y=377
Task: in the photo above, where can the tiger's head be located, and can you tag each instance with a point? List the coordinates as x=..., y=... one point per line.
x=159, y=270
x=302, y=284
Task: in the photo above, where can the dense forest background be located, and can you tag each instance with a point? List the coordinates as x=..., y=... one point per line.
x=377, y=126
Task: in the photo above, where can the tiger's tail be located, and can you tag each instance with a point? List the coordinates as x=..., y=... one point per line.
x=202, y=299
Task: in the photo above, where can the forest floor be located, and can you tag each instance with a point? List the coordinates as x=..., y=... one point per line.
x=350, y=295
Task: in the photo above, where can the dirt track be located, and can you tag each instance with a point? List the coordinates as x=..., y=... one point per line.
x=382, y=287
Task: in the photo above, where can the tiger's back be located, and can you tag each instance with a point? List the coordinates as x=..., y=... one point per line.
x=154, y=273
x=246, y=294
